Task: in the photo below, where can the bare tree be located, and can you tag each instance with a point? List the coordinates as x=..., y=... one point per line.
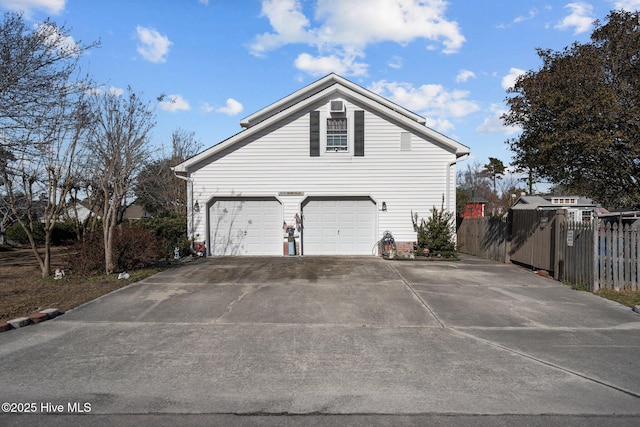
x=119, y=147
x=43, y=116
x=157, y=188
x=6, y=218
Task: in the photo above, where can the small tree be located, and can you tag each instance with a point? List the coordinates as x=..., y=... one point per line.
x=494, y=171
x=436, y=233
x=120, y=145
x=157, y=189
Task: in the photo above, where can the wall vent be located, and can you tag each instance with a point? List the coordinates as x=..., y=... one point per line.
x=337, y=106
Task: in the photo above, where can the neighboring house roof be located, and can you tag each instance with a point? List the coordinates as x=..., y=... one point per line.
x=81, y=209
x=303, y=99
x=553, y=202
x=134, y=211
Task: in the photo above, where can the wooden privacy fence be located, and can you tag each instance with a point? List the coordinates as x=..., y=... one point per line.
x=575, y=252
x=596, y=253
x=483, y=237
x=615, y=257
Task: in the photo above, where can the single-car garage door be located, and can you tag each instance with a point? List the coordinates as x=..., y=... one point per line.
x=245, y=226
x=339, y=226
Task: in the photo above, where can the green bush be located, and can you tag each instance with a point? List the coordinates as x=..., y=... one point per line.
x=16, y=234
x=436, y=234
x=171, y=229
x=63, y=233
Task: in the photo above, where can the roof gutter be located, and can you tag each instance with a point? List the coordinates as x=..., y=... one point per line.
x=448, y=179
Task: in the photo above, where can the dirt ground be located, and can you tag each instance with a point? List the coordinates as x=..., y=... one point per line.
x=23, y=291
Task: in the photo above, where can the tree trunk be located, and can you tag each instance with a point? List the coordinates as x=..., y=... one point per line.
x=109, y=229
x=46, y=261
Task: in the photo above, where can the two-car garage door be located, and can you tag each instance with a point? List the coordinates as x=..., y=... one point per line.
x=339, y=226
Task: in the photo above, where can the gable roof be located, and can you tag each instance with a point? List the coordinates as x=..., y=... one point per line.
x=317, y=86
x=540, y=202
x=309, y=94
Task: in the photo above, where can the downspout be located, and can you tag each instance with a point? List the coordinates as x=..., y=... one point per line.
x=448, y=187
x=189, y=181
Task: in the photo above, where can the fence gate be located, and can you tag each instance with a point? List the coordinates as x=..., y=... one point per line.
x=533, y=238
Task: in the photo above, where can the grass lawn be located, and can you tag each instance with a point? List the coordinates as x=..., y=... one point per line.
x=625, y=297
x=23, y=291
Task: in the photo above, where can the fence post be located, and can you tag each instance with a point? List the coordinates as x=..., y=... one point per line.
x=596, y=272
x=560, y=220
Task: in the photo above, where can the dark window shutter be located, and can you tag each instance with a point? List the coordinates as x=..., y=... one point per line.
x=314, y=134
x=358, y=133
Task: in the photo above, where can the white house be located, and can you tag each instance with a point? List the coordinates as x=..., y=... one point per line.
x=333, y=162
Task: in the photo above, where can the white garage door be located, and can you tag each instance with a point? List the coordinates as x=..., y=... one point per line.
x=245, y=227
x=339, y=226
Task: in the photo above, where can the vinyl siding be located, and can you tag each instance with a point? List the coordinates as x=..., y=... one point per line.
x=277, y=160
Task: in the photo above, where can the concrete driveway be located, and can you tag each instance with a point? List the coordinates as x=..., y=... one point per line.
x=239, y=340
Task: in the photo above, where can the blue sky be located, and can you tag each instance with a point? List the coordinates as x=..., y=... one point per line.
x=221, y=60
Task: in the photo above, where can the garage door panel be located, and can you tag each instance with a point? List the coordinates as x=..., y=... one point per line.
x=245, y=227
x=339, y=227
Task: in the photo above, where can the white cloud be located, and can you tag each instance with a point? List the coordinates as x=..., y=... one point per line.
x=65, y=44
x=115, y=90
x=207, y=108
x=509, y=80
x=174, y=103
x=580, y=18
x=465, y=75
x=152, y=45
x=100, y=90
x=395, y=62
x=629, y=5
x=342, y=30
x=54, y=7
x=437, y=104
x=494, y=124
x=204, y=2
x=321, y=65
x=288, y=22
x=532, y=14
x=232, y=108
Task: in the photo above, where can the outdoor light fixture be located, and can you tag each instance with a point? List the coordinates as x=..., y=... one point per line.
x=384, y=206
x=196, y=207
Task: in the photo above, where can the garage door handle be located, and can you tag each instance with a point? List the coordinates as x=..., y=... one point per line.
x=245, y=232
x=338, y=232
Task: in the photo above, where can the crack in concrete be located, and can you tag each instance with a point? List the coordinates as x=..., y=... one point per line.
x=246, y=291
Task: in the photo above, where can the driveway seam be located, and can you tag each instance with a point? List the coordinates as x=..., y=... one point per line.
x=424, y=303
x=544, y=362
x=513, y=351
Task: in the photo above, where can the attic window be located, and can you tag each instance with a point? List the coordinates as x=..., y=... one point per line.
x=337, y=134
